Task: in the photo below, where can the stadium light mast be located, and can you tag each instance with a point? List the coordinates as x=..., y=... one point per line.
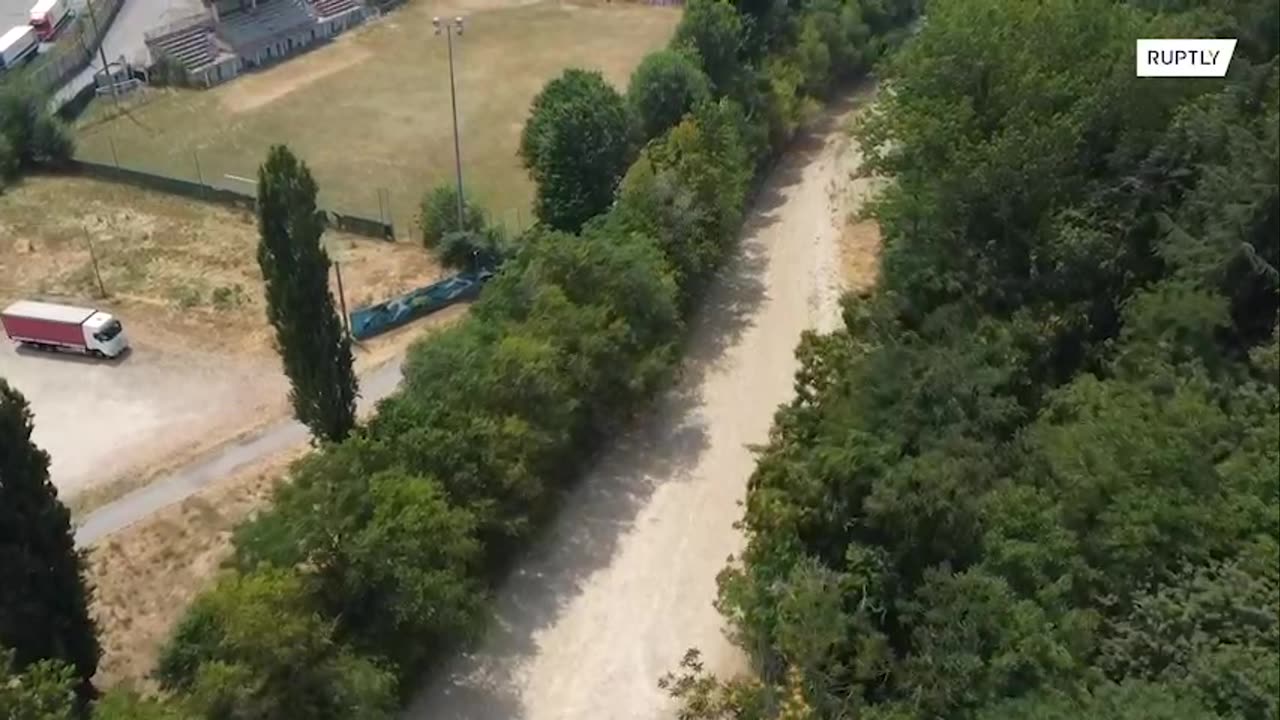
x=449, y=28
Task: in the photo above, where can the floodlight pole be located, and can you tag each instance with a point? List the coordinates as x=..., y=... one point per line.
x=449, y=28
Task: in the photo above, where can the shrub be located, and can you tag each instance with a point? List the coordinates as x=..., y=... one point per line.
x=35, y=136
x=473, y=249
x=576, y=145
x=254, y=647
x=438, y=214
x=666, y=85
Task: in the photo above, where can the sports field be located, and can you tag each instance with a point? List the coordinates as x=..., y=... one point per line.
x=371, y=110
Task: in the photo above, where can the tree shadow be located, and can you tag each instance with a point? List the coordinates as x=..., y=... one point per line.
x=663, y=446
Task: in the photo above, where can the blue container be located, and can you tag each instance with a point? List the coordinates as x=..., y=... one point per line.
x=377, y=319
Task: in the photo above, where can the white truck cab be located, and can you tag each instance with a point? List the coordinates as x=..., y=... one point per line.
x=104, y=333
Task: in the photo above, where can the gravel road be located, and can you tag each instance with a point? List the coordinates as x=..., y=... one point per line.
x=188, y=479
x=624, y=581
x=125, y=37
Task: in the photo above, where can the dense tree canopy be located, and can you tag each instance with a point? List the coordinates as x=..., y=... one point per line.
x=44, y=690
x=255, y=648
x=666, y=85
x=30, y=136
x=576, y=145
x=380, y=553
x=1037, y=473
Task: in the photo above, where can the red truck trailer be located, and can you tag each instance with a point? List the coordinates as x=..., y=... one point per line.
x=50, y=326
x=47, y=17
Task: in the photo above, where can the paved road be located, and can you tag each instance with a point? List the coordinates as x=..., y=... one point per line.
x=125, y=36
x=623, y=583
x=186, y=481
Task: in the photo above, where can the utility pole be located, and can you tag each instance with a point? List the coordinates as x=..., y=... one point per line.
x=93, y=258
x=449, y=29
x=102, y=52
x=195, y=155
x=342, y=298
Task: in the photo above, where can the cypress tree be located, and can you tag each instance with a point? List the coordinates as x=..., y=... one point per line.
x=315, y=350
x=44, y=600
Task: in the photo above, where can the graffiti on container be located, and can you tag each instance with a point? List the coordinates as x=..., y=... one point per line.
x=376, y=319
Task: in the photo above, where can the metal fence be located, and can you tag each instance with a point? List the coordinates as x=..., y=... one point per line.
x=75, y=46
x=348, y=222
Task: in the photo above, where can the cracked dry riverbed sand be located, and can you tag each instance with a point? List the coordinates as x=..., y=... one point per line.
x=623, y=582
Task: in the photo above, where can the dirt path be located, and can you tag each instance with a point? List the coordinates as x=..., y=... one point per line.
x=623, y=584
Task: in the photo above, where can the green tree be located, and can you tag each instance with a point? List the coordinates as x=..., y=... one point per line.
x=688, y=190
x=295, y=268
x=576, y=146
x=119, y=704
x=254, y=647
x=713, y=31
x=1035, y=474
x=35, y=136
x=1128, y=701
x=44, y=599
x=474, y=249
x=382, y=552
x=45, y=690
x=438, y=215
x=666, y=85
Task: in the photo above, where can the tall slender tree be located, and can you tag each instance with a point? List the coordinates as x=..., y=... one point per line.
x=315, y=350
x=44, y=600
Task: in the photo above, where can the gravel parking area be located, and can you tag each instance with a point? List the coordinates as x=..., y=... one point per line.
x=110, y=420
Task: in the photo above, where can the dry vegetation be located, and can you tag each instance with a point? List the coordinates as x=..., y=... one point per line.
x=371, y=109
x=181, y=273
x=146, y=575
x=860, y=254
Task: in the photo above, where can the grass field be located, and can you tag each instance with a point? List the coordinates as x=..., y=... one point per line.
x=181, y=271
x=371, y=110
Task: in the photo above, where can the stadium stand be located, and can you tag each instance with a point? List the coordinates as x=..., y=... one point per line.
x=236, y=35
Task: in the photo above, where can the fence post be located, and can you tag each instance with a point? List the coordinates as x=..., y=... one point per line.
x=195, y=154
x=93, y=257
x=342, y=298
x=112, y=141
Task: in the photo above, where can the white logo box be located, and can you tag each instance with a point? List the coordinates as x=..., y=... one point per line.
x=1184, y=57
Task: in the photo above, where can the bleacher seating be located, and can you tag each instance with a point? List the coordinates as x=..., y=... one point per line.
x=193, y=47
x=330, y=8
x=248, y=30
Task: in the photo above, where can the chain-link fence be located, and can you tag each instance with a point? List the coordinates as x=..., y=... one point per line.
x=243, y=197
x=356, y=189
x=75, y=46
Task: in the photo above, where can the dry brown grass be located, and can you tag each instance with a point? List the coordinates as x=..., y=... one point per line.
x=371, y=110
x=147, y=575
x=181, y=273
x=860, y=254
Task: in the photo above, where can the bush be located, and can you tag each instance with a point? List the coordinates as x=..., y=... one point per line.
x=8, y=161
x=576, y=145
x=438, y=214
x=473, y=249
x=666, y=85
x=254, y=647
x=167, y=72
x=713, y=31
x=34, y=135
